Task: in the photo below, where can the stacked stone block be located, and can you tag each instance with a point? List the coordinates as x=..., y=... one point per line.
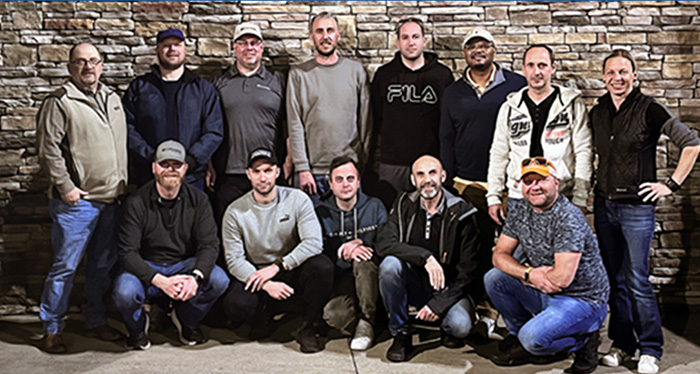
x=35, y=38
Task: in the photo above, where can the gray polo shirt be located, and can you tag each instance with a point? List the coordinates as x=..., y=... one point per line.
x=254, y=111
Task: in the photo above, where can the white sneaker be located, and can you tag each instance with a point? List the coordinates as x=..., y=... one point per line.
x=615, y=357
x=364, y=335
x=491, y=328
x=648, y=364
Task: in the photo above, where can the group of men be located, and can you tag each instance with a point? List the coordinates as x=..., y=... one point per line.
x=444, y=154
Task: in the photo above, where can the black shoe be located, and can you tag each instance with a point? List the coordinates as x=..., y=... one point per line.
x=400, y=349
x=262, y=328
x=307, y=339
x=139, y=342
x=188, y=336
x=511, y=353
x=54, y=343
x=586, y=360
x=451, y=342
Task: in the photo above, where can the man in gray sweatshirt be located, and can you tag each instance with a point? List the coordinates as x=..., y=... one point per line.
x=272, y=242
x=327, y=109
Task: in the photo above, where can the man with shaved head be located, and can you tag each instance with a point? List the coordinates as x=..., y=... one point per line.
x=430, y=260
x=82, y=146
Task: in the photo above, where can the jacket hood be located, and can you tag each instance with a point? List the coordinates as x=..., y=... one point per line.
x=566, y=96
x=431, y=62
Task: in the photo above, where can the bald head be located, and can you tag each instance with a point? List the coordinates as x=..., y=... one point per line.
x=427, y=175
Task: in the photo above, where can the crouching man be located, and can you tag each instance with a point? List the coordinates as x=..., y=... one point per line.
x=430, y=260
x=272, y=241
x=167, y=248
x=556, y=301
x=350, y=220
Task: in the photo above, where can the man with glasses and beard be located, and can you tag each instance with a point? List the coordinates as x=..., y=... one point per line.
x=272, y=242
x=327, y=109
x=556, y=301
x=168, y=246
x=405, y=96
x=172, y=102
x=430, y=261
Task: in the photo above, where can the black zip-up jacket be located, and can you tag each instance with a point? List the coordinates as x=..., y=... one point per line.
x=625, y=141
x=199, y=116
x=146, y=235
x=458, y=253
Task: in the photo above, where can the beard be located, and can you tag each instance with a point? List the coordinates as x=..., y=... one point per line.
x=327, y=54
x=168, y=66
x=429, y=194
x=169, y=180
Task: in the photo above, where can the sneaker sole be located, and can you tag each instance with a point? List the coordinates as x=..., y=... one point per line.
x=178, y=326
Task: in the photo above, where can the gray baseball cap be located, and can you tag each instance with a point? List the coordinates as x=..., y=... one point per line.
x=170, y=150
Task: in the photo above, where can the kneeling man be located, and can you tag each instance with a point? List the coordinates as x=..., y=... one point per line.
x=272, y=241
x=556, y=301
x=350, y=220
x=430, y=260
x=167, y=248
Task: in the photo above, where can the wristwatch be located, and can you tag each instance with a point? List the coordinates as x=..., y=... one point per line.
x=672, y=185
x=280, y=264
x=527, y=274
x=198, y=276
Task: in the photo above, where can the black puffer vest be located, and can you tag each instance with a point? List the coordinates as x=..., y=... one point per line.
x=626, y=147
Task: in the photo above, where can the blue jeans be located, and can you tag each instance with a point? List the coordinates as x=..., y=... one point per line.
x=129, y=295
x=87, y=227
x=624, y=232
x=322, y=187
x=402, y=284
x=545, y=324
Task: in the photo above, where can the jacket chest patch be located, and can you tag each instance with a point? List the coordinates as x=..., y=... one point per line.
x=408, y=93
x=519, y=126
x=557, y=131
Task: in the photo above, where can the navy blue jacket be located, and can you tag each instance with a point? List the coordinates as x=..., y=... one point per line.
x=340, y=227
x=467, y=123
x=199, y=115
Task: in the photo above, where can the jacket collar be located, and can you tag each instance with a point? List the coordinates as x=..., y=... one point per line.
x=187, y=77
x=233, y=72
x=566, y=97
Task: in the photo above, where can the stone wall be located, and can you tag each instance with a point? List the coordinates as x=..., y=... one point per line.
x=35, y=38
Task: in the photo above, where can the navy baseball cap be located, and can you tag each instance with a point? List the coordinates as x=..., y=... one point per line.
x=163, y=34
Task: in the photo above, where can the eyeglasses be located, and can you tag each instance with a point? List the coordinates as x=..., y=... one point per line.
x=482, y=46
x=255, y=43
x=167, y=164
x=82, y=62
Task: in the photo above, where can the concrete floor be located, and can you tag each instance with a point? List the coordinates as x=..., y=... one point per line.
x=229, y=352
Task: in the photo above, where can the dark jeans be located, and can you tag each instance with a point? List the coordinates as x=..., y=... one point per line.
x=403, y=284
x=322, y=187
x=312, y=282
x=545, y=324
x=624, y=233
x=353, y=288
x=129, y=295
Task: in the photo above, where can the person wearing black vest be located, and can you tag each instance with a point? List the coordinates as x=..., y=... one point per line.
x=626, y=128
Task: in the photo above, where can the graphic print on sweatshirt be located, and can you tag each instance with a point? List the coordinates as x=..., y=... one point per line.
x=408, y=93
x=557, y=131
